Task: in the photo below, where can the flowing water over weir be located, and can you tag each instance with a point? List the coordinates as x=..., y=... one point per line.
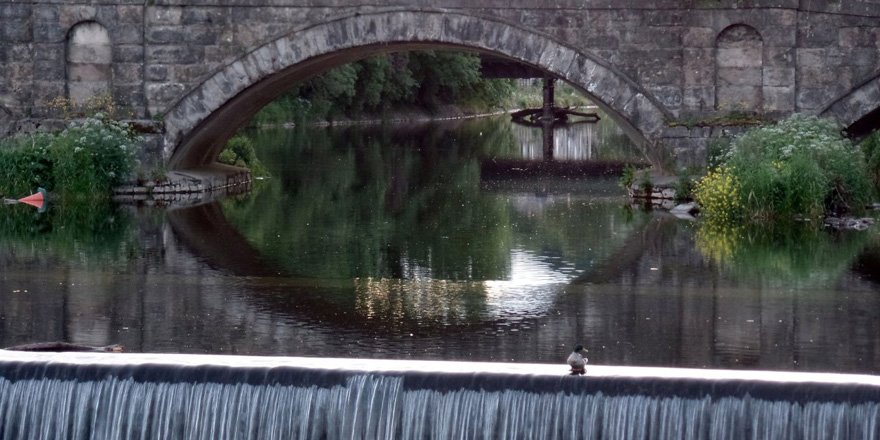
x=75, y=396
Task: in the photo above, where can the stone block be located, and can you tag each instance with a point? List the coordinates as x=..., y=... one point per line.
x=863, y=57
x=47, y=13
x=130, y=96
x=781, y=36
x=124, y=53
x=49, y=52
x=699, y=75
x=817, y=57
x=164, y=93
x=127, y=72
x=174, y=54
x=850, y=37
x=698, y=37
x=699, y=99
x=669, y=96
x=812, y=99
x=779, y=56
x=817, y=34
x=90, y=53
x=747, y=76
x=126, y=34
x=45, y=91
x=738, y=98
x=130, y=14
x=201, y=34
x=16, y=10
x=156, y=72
x=190, y=72
x=779, y=99
x=166, y=15
x=739, y=57
x=822, y=75
x=48, y=70
x=88, y=72
x=166, y=34
x=12, y=31
x=774, y=76
x=205, y=15
x=73, y=14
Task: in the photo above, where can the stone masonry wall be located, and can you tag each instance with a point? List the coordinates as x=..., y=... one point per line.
x=812, y=52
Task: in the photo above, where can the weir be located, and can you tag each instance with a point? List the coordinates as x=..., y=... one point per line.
x=140, y=396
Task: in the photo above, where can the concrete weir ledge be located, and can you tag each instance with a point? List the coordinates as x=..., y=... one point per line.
x=123, y=396
x=380, y=366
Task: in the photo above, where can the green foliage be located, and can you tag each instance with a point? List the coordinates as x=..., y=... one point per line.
x=627, y=177
x=684, y=187
x=240, y=152
x=799, y=167
x=86, y=160
x=787, y=252
x=91, y=233
x=645, y=182
x=374, y=85
x=718, y=196
x=871, y=149
x=716, y=151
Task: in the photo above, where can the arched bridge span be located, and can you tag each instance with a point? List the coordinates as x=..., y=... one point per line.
x=662, y=68
x=199, y=124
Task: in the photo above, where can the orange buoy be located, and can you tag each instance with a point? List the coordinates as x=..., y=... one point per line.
x=36, y=199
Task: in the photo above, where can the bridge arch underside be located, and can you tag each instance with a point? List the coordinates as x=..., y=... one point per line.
x=859, y=110
x=200, y=123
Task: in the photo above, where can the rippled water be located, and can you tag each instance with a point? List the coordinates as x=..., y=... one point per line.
x=394, y=244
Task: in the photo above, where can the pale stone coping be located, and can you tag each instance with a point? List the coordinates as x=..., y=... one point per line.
x=355, y=365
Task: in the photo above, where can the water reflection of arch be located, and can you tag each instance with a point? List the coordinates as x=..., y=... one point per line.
x=198, y=229
x=700, y=318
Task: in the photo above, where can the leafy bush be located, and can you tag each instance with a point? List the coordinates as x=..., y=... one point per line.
x=87, y=159
x=801, y=166
x=871, y=149
x=240, y=152
x=718, y=196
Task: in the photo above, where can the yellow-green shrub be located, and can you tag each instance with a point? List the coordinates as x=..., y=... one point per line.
x=718, y=194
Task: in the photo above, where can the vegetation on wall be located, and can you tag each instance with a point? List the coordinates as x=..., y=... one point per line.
x=801, y=167
x=86, y=160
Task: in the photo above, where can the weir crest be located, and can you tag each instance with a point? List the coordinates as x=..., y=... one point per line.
x=112, y=396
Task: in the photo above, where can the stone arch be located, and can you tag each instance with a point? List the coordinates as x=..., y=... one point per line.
x=739, y=69
x=198, y=125
x=89, y=57
x=858, y=110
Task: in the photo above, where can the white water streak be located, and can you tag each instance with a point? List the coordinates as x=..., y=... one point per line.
x=376, y=406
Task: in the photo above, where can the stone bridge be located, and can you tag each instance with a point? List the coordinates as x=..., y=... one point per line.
x=661, y=68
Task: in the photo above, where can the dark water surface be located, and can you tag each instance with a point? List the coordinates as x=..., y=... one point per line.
x=389, y=244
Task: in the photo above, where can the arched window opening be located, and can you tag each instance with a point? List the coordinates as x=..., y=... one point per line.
x=89, y=55
x=739, y=62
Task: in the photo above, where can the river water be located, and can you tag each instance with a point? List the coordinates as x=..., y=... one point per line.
x=392, y=242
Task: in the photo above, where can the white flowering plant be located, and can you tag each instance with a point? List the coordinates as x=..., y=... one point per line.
x=799, y=167
x=87, y=159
